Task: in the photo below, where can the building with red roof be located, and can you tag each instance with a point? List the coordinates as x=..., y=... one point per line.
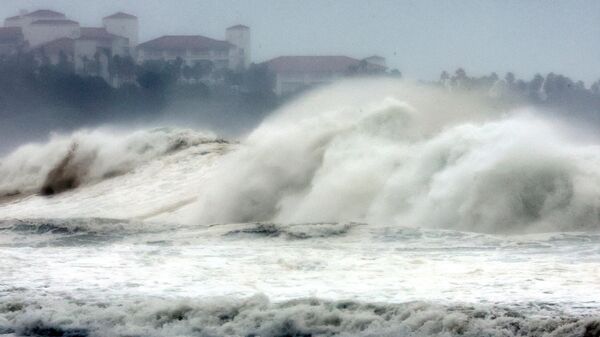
x=232, y=53
x=25, y=18
x=294, y=73
x=190, y=48
x=89, y=52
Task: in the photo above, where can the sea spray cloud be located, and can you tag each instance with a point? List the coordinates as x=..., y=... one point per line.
x=390, y=152
x=382, y=152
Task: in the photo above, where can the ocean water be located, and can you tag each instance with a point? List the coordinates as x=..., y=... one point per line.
x=370, y=208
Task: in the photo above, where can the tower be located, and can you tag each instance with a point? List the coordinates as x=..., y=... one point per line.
x=239, y=37
x=125, y=25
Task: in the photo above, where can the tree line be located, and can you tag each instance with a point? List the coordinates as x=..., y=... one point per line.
x=30, y=83
x=553, y=92
x=35, y=88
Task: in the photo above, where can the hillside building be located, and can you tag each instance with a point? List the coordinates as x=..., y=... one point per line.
x=232, y=53
x=52, y=37
x=294, y=73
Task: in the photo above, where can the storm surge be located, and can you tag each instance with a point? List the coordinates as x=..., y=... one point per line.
x=389, y=152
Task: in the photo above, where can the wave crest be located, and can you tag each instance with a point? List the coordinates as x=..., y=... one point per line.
x=67, y=161
x=393, y=153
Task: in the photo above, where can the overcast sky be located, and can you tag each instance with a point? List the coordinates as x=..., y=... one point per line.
x=421, y=38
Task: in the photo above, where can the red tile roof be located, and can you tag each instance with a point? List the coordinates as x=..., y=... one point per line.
x=42, y=13
x=96, y=33
x=45, y=13
x=121, y=15
x=11, y=34
x=55, y=22
x=308, y=64
x=183, y=42
x=239, y=27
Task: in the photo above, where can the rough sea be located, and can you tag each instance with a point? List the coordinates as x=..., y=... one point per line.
x=369, y=208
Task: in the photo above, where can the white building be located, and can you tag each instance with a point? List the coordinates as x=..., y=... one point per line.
x=43, y=26
x=233, y=53
x=52, y=37
x=52, y=51
x=98, y=44
x=123, y=24
x=239, y=37
x=42, y=31
x=89, y=53
x=294, y=73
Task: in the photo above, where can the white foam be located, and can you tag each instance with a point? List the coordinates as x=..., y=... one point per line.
x=387, y=152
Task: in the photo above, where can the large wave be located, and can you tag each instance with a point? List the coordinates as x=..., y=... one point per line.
x=67, y=161
x=394, y=153
x=370, y=151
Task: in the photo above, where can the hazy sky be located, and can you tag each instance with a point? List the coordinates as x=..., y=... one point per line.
x=421, y=38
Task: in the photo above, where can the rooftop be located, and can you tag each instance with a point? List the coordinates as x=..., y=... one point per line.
x=183, y=42
x=45, y=13
x=238, y=27
x=96, y=33
x=41, y=13
x=312, y=63
x=120, y=15
x=55, y=22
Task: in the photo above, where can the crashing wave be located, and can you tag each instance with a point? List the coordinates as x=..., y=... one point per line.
x=66, y=162
x=381, y=152
x=257, y=316
x=387, y=152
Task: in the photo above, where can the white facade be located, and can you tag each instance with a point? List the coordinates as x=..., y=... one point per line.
x=90, y=49
x=87, y=50
x=43, y=31
x=43, y=26
x=288, y=83
x=219, y=58
x=17, y=21
x=124, y=25
x=232, y=53
x=240, y=54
